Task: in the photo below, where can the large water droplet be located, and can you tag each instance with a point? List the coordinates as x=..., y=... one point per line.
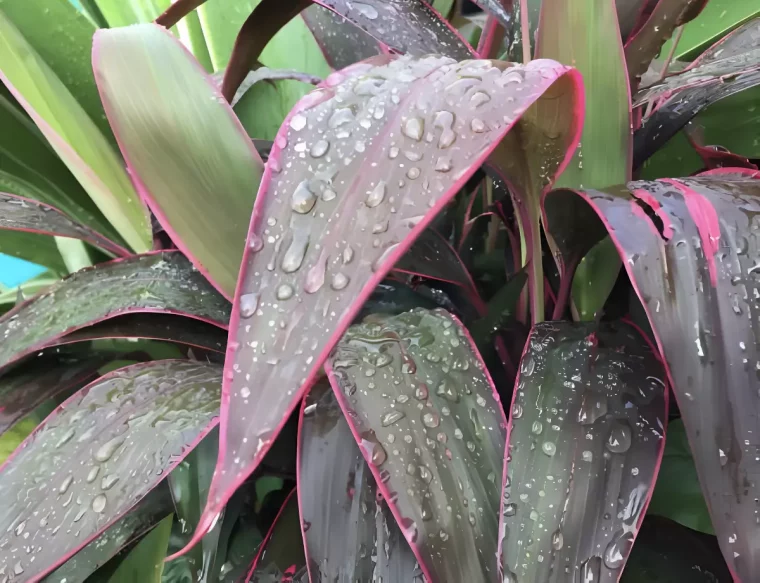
x=372, y=448
x=557, y=540
x=319, y=148
x=431, y=419
x=303, y=199
x=340, y=117
x=298, y=122
x=549, y=448
x=591, y=570
x=365, y=10
x=108, y=481
x=106, y=450
x=65, y=484
x=294, y=256
x=255, y=243
x=248, y=304
x=619, y=439
x=99, y=503
x=479, y=98
x=339, y=281
x=617, y=551
x=510, y=509
x=284, y=292
x=477, y=125
x=377, y=195
x=444, y=120
x=413, y=128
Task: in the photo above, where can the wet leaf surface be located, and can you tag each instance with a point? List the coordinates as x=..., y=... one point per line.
x=349, y=532
x=281, y=558
x=342, y=42
x=410, y=27
x=158, y=282
x=431, y=427
x=585, y=442
x=156, y=505
x=356, y=173
x=22, y=214
x=691, y=250
x=96, y=456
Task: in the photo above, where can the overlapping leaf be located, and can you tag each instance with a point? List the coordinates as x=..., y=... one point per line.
x=348, y=531
x=189, y=156
x=691, y=249
x=430, y=424
x=357, y=172
x=96, y=456
x=586, y=438
x=159, y=282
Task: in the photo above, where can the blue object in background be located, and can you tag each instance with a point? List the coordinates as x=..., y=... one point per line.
x=15, y=271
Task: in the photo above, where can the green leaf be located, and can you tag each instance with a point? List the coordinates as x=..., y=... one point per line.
x=12, y=438
x=263, y=108
x=188, y=153
x=594, y=279
x=716, y=20
x=39, y=249
x=190, y=33
x=584, y=34
x=677, y=494
x=145, y=563
x=126, y=12
x=75, y=136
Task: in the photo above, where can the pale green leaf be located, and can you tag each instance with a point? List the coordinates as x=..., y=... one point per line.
x=145, y=563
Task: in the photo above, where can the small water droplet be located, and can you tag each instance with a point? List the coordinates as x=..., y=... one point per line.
x=284, y=292
x=431, y=419
x=348, y=255
x=373, y=449
x=108, y=481
x=66, y=437
x=557, y=540
x=298, y=122
x=303, y=199
x=477, y=125
x=245, y=392
x=294, y=256
x=99, y=503
x=63, y=488
x=619, y=439
x=413, y=173
x=413, y=128
x=377, y=195
x=319, y=148
x=517, y=411
x=444, y=120
x=255, y=243
x=93, y=473
x=549, y=448
x=106, y=450
x=443, y=164
x=248, y=304
x=391, y=417
x=315, y=277
x=537, y=427
x=479, y=98
x=340, y=117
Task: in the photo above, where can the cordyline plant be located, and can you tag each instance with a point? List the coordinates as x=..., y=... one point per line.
x=377, y=329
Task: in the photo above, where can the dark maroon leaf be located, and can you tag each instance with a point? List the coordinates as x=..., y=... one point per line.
x=585, y=442
x=96, y=456
x=690, y=248
x=342, y=43
x=646, y=42
x=156, y=505
x=43, y=377
x=349, y=533
x=429, y=422
x=725, y=69
x=358, y=145
x=23, y=214
x=177, y=11
x=666, y=552
x=410, y=27
x=162, y=282
x=281, y=556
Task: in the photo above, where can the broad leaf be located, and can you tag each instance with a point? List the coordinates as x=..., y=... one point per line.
x=78, y=473
x=281, y=557
x=126, y=12
x=727, y=69
x=80, y=143
x=262, y=108
x=23, y=214
x=156, y=506
x=410, y=27
x=145, y=562
x=342, y=43
x=690, y=249
x=38, y=249
x=429, y=422
x=188, y=154
x=356, y=173
x=349, y=533
x=585, y=441
x=159, y=282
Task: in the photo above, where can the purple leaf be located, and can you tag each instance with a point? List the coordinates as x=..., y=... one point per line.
x=162, y=282
x=96, y=456
x=691, y=251
x=410, y=27
x=23, y=214
x=726, y=68
x=281, y=558
x=342, y=43
x=349, y=532
x=156, y=505
x=21, y=391
x=358, y=170
x=585, y=443
x=429, y=422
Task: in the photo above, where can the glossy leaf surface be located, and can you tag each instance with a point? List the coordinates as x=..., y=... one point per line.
x=331, y=220
x=411, y=27
x=23, y=214
x=586, y=437
x=78, y=472
x=158, y=282
x=429, y=422
x=349, y=533
x=85, y=150
x=188, y=154
x=690, y=248
x=156, y=505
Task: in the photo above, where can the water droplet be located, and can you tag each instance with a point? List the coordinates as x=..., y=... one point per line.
x=365, y=10
x=421, y=392
x=413, y=173
x=477, y=125
x=594, y=406
x=479, y=98
x=617, y=551
x=377, y=195
x=619, y=439
x=66, y=437
x=315, y=277
x=557, y=540
x=303, y=199
x=319, y=148
x=108, y=481
x=380, y=227
x=284, y=292
x=510, y=509
x=339, y=281
x=340, y=117
x=425, y=474
x=591, y=570
x=255, y=243
x=298, y=122
x=294, y=256
x=65, y=484
x=443, y=164
x=537, y=427
x=18, y=568
x=431, y=419
x=99, y=503
x=372, y=448
x=106, y=450
x=528, y=365
x=93, y=473
x=413, y=128
x=393, y=152
x=509, y=576
x=348, y=255
x=391, y=417
x=20, y=528
x=517, y=411
x=549, y=448
x=588, y=456
x=444, y=120
x=245, y=392
x=248, y=304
